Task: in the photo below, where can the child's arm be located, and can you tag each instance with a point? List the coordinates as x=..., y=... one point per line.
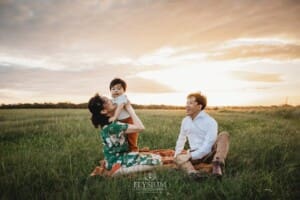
x=122, y=101
x=117, y=112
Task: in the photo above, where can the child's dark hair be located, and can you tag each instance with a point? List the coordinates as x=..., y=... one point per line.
x=116, y=81
x=95, y=105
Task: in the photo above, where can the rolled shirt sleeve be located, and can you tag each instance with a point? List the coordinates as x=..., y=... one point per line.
x=181, y=140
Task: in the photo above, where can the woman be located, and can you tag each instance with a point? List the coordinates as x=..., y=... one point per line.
x=114, y=137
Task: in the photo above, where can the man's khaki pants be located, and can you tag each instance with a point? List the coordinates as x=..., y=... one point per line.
x=219, y=153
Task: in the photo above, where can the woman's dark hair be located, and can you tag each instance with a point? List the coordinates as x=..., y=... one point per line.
x=95, y=106
x=118, y=81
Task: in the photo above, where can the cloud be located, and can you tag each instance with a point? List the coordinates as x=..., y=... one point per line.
x=142, y=85
x=264, y=48
x=256, y=76
x=284, y=52
x=263, y=88
x=136, y=27
x=163, y=57
x=32, y=84
x=257, y=41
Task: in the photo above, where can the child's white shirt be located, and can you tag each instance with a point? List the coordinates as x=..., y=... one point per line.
x=122, y=99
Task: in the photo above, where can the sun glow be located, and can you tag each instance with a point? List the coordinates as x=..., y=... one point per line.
x=222, y=86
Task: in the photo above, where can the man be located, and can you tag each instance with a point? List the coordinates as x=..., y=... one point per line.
x=202, y=133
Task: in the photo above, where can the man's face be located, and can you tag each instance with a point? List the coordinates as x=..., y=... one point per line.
x=117, y=90
x=192, y=107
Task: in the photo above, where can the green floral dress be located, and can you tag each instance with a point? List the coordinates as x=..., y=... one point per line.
x=115, y=148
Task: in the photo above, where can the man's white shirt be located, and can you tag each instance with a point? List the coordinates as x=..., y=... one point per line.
x=201, y=133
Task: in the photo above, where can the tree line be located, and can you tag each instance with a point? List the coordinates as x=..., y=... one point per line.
x=68, y=105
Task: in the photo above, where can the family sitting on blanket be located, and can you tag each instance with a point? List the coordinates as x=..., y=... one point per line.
x=198, y=127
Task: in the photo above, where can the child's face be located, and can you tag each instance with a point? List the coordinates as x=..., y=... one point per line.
x=117, y=90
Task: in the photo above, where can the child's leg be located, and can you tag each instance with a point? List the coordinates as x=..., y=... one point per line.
x=132, y=137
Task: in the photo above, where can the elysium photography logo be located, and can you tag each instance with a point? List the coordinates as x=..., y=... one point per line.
x=150, y=184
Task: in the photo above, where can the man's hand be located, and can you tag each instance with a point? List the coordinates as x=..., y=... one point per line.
x=182, y=158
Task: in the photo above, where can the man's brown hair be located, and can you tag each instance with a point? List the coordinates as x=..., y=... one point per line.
x=199, y=98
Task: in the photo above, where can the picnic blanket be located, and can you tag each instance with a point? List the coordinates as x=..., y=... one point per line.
x=167, y=157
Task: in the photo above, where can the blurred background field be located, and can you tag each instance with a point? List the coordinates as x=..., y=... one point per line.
x=49, y=154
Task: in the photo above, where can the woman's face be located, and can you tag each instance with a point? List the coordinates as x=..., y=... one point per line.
x=108, y=106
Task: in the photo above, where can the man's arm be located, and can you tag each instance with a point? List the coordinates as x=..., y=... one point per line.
x=180, y=141
x=209, y=140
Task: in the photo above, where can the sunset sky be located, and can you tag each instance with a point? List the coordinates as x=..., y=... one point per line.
x=235, y=52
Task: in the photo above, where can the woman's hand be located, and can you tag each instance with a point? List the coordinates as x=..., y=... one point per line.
x=112, y=119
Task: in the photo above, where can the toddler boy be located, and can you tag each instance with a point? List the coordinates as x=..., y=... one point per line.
x=118, y=88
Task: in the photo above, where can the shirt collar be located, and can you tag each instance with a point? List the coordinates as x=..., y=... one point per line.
x=201, y=114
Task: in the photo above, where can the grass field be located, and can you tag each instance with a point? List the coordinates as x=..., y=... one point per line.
x=49, y=154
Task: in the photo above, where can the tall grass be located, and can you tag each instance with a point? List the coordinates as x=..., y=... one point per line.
x=49, y=154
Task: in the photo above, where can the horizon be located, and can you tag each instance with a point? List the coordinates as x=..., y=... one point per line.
x=236, y=53
x=149, y=105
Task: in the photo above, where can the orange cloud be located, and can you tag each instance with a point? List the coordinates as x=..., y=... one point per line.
x=277, y=52
x=255, y=76
x=141, y=85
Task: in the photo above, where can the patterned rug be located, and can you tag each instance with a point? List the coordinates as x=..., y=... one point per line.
x=167, y=156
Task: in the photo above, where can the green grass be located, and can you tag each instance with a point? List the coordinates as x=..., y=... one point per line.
x=49, y=154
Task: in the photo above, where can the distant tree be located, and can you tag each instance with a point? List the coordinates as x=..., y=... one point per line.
x=79, y=106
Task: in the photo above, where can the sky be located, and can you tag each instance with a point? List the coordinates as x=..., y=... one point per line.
x=237, y=53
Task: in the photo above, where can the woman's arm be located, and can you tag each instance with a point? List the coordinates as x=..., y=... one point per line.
x=137, y=125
